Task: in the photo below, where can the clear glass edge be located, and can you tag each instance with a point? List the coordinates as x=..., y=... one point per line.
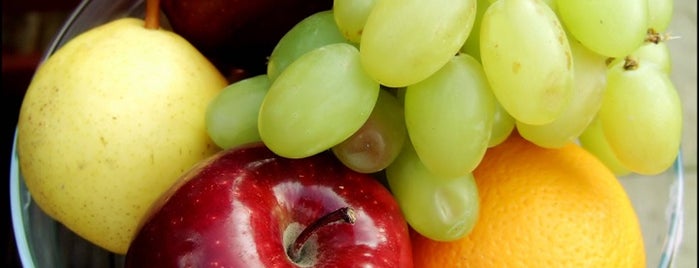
x=20, y=199
x=58, y=39
x=17, y=207
x=18, y=204
x=674, y=216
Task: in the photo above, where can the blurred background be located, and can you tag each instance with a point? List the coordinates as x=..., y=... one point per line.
x=28, y=26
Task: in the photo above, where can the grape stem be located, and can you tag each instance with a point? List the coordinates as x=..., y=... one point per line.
x=152, y=17
x=343, y=214
x=630, y=64
x=656, y=37
x=652, y=36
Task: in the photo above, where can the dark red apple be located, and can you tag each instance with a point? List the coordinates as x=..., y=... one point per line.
x=238, y=34
x=248, y=207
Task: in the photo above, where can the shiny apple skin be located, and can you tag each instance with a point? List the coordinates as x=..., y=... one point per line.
x=232, y=210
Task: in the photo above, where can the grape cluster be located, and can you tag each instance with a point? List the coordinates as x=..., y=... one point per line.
x=421, y=89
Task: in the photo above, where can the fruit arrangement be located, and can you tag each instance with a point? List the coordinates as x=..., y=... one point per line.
x=356, y=133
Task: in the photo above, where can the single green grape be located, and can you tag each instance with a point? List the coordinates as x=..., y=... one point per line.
x=659, y=14
x=503, y=124
x=379, y=141
x=440, y=208
x=314, y=31
x=405, y=41
x=449, y=117
x=590, y=78
x=527, y=59
x=472, y=44
x=658, y=54
x=231, y=118
x=350, y=16
x=641, y=116
x=593, y=140
x=319, y=100
x=610, y=28
x=550, y=3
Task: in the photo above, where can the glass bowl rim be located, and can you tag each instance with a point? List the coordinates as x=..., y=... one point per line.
x=19, y=200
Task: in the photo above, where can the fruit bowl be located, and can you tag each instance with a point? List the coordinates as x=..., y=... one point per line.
x=43, y=242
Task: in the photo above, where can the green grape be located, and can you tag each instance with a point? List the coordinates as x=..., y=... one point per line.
x=659, y=14
x=590, y=78
x=641, y=117
x=350, y=16
x=658, y=54
x=503, y=124
x=610, y=28
x=550, y=3
x=231, y=118
x=449, y=117
x=317, y=102
x=405, y=41
x=439, y=208
x=379, y=141
x=527, y=59
x=312, y=32
x=471, y=46
x=649, y=52
x=593, y=140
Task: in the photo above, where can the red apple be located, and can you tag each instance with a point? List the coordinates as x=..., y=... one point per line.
x=248, y=207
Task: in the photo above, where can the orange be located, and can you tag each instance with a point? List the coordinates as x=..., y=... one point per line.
x=543, y=208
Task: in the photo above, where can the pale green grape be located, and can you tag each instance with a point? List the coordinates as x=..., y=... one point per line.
x=659, y=14
x=503, y=124
x=649, y=52
x=405, y=41
x=231, y=118
x=379, y=141
x=550, y=3
x=641, y=116
x=449, y=117
x=351, y=15
x=590, y=78
x=610, y=28
x=593, y=140
x=439, y=208
x=312, y=32
x=527, y=59
x=317, y=102
x=658, y=54
x=472, y=44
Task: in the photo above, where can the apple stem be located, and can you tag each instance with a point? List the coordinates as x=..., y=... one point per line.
x=152, y=19
x=344, y=214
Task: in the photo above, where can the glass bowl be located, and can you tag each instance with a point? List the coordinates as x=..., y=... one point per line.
x=43, y=242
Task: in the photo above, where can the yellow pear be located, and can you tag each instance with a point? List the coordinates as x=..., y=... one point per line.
x=109, y=122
